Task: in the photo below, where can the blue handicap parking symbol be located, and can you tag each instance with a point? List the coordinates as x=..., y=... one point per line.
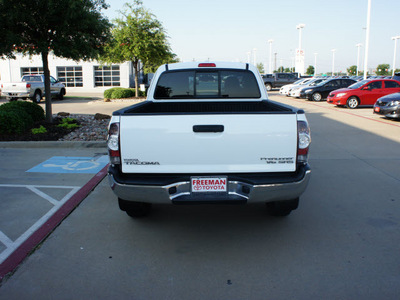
x=66, y=164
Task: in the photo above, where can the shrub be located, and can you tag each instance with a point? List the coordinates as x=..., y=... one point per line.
x=68, y=123
x=39, y=130
x=119, y=93
x=123, y=93
x=14, y=121
x=34, y=110
x=108, y=93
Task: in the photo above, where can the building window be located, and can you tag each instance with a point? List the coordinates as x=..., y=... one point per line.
x=70, y=76
x=31, y=71
x=107, y=76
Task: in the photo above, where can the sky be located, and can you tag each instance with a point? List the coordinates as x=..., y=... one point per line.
x=223, y=30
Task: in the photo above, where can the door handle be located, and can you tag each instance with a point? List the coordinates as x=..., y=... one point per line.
x=208, y=128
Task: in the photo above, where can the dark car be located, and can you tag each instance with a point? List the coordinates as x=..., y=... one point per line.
x=389, y=106
x=321, y=91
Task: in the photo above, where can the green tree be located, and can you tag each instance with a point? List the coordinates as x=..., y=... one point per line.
x=74, y=29
x=140, y=38
x=260, y=68
x=287, y=70
x=382, y=69
x=310, y=70
x=352, y=70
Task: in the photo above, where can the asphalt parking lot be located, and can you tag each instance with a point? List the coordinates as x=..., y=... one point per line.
x=342, y=242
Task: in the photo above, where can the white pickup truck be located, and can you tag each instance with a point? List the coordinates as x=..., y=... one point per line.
x=32, y=87
x=208, y=134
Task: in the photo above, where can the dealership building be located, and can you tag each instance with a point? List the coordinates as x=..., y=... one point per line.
x=80, y=76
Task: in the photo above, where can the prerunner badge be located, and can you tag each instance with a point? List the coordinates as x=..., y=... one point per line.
x=209, y=184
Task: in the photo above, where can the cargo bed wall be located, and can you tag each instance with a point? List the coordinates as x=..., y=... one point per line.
x=238, y=107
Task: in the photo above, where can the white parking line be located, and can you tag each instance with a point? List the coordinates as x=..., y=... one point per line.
x=12, y=245
x=5, y=240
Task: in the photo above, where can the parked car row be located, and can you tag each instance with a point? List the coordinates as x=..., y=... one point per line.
x=382, y=93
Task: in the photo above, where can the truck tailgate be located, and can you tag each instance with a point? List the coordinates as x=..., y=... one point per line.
x=219, y=143
x=16, y=87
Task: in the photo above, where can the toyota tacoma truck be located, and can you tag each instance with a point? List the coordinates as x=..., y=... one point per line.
x=32, y=87
x=208, y=133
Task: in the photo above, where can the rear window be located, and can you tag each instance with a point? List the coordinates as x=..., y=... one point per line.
x=207, y=84
x=31, y=78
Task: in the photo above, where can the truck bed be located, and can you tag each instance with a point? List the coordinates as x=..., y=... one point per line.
x=188, y=107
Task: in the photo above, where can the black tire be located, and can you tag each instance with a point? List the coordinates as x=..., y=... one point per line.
x=37, y=96
x=134, y=209
x=316, y=97
x=268, y=86
x=352, y=102
x=61, y=94
x=282, y=208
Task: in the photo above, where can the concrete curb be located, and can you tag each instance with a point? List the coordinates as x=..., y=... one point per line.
x=54, y=144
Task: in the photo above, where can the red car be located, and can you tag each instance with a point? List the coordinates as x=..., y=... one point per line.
x=364, y=92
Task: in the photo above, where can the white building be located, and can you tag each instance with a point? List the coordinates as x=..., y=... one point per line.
x=78, y=76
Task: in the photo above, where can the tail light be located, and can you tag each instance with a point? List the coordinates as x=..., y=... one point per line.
x=113, y=144
x=28, y=85
x=304, y=141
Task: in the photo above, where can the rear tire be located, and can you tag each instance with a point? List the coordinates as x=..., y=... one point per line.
x=268, y=86
x=282, y=208
x=37, y=97
x=134, y=209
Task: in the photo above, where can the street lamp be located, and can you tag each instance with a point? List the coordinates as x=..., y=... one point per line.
x=395, y=38
x=333, y=61
x=358, y=57
x=300, y=53
x=367, y=40
x=315, y=64
x=270, y=56
x=254, y=57
x=300, y=27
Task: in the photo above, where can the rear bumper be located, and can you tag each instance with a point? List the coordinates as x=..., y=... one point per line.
x=16, y=94
x=242, y=188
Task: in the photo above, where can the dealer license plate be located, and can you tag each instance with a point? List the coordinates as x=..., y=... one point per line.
x=209, y=184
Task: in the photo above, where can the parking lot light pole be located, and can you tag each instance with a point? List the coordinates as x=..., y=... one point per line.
x=367, y=40
x=395, y=38
x=333, y=61
x=254, y=57
x=358, y=57
x=299, y=27
x=270, y=55
x=315, y=64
